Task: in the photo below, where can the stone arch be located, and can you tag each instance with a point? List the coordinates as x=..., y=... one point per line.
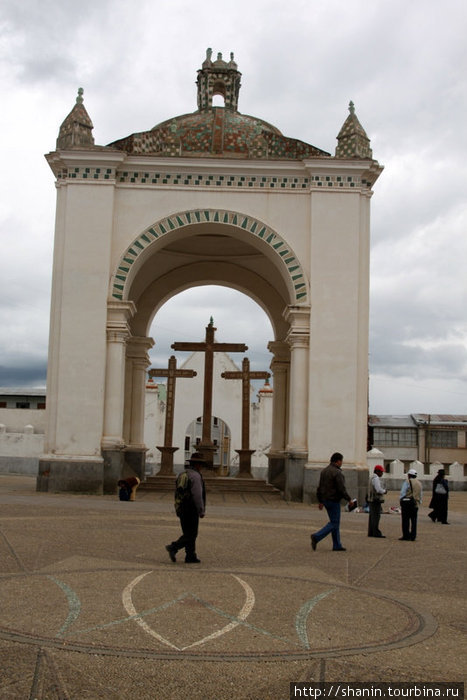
x=271, y=243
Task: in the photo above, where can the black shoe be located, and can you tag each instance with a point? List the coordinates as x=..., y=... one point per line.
x=383, y=536
x=405, y=539
x=193, y=560
x=432, y=517
x=339, y=549
x=314, y=542
x=445, y=522
x=172, y=552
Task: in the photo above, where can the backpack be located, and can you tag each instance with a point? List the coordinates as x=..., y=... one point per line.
x=182, y=491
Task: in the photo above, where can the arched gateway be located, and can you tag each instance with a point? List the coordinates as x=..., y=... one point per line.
x=211, y=197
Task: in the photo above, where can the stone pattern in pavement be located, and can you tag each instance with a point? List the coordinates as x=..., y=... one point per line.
x=92, y=607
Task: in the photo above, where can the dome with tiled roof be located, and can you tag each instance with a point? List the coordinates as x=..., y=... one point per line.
x=221, y=132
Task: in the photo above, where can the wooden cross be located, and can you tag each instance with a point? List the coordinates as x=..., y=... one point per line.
x=246, y=376
x=209, y=347
x=171, y=373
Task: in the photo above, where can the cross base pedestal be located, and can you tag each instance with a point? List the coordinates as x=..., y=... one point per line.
x=208, y=450
x=167, y=459
x=244, y=463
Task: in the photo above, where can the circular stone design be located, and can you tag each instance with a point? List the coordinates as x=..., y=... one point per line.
x=205, y=615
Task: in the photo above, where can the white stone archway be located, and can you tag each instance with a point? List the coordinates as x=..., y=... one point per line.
x=213, y=197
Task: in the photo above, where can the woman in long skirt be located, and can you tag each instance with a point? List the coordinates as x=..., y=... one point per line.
x=439, y=499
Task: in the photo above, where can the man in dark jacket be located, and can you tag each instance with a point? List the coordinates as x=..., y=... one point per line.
x=331, y=491
x=190, y=510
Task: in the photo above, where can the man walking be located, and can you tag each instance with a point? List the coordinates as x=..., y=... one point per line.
x=331, y=491
x=190, y=503
x=375, y=497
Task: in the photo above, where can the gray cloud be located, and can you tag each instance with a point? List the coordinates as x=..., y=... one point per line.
x=402, y=64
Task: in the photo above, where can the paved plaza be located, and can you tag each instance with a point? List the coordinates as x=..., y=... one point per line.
x=92, y=607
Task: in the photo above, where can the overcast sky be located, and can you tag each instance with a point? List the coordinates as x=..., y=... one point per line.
x=403, y=63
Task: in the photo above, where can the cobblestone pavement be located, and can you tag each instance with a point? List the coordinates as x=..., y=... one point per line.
x=92, y=607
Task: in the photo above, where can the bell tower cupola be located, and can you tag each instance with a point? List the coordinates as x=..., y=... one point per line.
x=218, y=77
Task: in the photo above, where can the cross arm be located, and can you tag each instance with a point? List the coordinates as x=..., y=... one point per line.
x=229, y=347
x=169, y=373
x=189, y=346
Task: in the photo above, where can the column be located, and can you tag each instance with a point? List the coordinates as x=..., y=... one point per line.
x=138, y=360
x=118, y=315
x=298, y=339
x=280, y=366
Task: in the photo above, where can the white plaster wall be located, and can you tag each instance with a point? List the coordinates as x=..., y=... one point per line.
x=338, y=357
x=287, y=213
x=154, y=425
x=260, y=433
x=77, y=348
x=15, y=419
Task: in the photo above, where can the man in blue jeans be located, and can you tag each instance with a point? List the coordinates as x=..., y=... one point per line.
x=331, y=491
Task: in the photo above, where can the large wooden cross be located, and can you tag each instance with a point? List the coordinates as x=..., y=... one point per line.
x=171, y=373
x=246, y=376
x=209, y=347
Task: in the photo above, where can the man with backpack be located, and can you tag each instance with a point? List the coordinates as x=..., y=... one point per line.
x=190, y=503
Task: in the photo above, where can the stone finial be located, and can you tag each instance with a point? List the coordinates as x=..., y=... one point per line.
x=352, y=139
x=76, y=130
x=211, y=321
x=208, y=60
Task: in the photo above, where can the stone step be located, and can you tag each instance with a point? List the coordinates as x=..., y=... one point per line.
x=216, y=484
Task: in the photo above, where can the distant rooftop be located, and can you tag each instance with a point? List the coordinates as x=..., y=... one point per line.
x=415, y=419
x=21, y=391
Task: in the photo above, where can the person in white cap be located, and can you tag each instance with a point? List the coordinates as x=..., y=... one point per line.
x=376, y=492
x=410, y=499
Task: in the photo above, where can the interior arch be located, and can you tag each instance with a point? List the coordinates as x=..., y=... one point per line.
x=211, y=237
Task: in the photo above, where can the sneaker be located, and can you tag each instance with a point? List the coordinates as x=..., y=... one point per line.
x=339, y=549
x=314, y=542
x=172, y=552
x=193, y=560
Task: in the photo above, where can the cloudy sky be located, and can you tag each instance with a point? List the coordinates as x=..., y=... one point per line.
x=402, y=63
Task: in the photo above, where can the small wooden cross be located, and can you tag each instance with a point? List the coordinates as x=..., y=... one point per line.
x=171, y=373
x=246, y=376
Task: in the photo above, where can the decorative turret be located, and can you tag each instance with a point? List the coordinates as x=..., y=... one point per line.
x=218, y=78
x=352, y=139
x=76, y=130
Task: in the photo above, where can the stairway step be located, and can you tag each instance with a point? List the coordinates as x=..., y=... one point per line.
x=217, y=484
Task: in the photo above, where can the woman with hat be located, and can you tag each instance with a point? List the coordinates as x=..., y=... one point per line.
x=439, y=499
